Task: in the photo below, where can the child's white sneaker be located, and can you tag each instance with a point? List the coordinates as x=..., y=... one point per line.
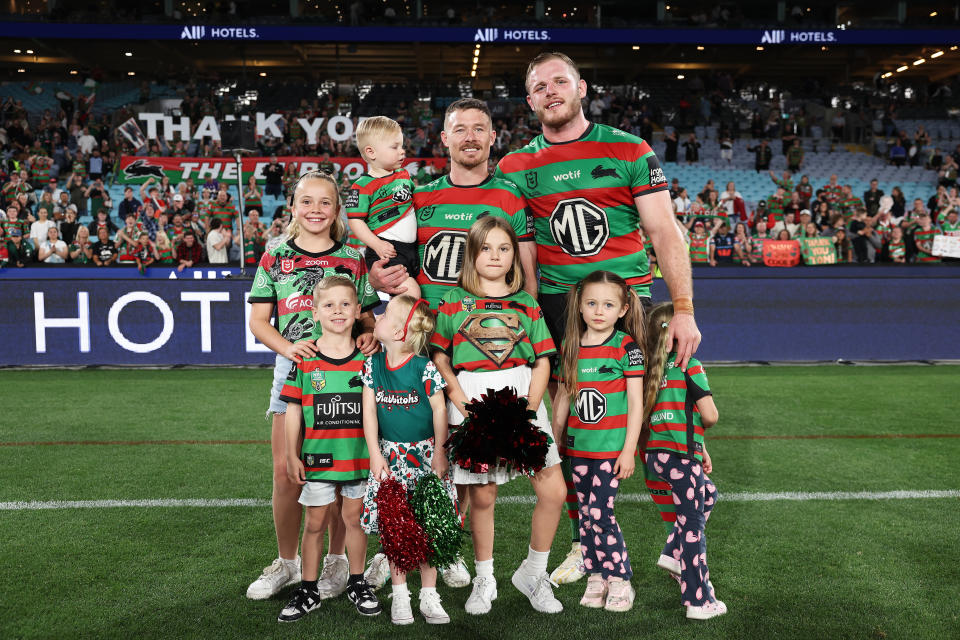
x=706, y=611
x=539, y=589
x=668, y=563
x=483, y=594
x=432, y=609
x=400, y=610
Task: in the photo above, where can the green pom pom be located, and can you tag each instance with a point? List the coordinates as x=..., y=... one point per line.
x=436, y=514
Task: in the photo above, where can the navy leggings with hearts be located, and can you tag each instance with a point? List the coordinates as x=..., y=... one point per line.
x=601, y=540
x=694, y=496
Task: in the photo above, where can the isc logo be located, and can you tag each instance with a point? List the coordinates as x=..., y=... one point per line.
x=591, y=405
x=443, y=256
x=579, y=227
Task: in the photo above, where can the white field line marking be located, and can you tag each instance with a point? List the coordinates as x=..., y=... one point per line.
x=795, y=496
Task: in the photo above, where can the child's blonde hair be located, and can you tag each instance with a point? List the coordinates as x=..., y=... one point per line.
x=469, y=279
x=331, y=282
x=372, y=130
x=338, y=230
x=421, y=323
x=163, y=240
x=657, y=352
x=632, y=323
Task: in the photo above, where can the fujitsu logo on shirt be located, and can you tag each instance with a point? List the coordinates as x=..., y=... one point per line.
x=338, y=406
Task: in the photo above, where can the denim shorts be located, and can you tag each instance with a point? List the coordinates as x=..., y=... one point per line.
x=281, y=369
x=320, y=493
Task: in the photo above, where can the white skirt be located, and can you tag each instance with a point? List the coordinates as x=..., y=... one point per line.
x=475, y=384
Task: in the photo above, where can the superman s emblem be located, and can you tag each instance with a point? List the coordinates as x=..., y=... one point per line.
x=494, y=334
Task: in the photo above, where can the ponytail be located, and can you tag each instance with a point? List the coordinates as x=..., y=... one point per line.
x=657, y=352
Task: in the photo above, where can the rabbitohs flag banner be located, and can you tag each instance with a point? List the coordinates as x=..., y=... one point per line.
x=137, y=169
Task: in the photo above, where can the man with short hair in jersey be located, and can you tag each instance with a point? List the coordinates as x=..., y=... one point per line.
x=589, y=188
x=448, y=206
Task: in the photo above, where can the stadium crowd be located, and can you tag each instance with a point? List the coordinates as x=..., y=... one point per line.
x=58, y=169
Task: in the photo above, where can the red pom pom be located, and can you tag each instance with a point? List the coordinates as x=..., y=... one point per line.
x=403, y=540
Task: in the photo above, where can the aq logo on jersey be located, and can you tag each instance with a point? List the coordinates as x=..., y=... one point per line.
x=495, y=335
x=591, y=405
x=579, y=227
x=443, y=256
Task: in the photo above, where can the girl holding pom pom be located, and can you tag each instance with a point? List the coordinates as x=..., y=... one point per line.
x=598, y=414
x=404, y=421
x=678, y=407
x=491, y=335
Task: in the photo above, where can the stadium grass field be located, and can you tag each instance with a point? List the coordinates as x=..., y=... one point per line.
x=809, y=567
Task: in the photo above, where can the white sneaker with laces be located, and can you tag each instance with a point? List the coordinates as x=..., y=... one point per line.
x=275, y=577
x=333, y=577
x=668, y=563
x=432, y=609
x=483, y=594
x=400, y=610
x=456, y=575
x=539, y=589
x=571, y=569
x=378, y=571
x=706, y=611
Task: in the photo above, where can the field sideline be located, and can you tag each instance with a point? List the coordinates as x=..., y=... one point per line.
x=135, y=503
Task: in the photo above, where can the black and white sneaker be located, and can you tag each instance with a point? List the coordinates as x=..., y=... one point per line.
x=361, y=595
x=303, y=602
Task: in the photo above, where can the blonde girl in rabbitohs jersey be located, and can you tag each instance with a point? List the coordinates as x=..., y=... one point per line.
x=598, y=414
x=284, y=281
x=678, y=406
x=491, y=290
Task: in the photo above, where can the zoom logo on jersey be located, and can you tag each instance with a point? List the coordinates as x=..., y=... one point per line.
x=579, y=227
x=591, y=405
x=443, y=256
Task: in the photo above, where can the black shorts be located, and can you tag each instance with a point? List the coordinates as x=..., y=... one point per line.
x=554, y=306
x=407, y=255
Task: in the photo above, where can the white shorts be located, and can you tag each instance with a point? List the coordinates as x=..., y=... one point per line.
x=320, y=493
x=281, y=369
x=475, y=384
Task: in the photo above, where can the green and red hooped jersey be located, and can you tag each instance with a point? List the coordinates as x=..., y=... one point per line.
x=445, y=213
x=897, y=250
x=675, y=423
x=833, y=192
x=226, y=213
x=924, y=240
x=287, y=276
x=581, y=196
x=597, y=427
x=491, y=334
x=380, y=202
x=330, y=392
x=950, y=228
x=699, y=249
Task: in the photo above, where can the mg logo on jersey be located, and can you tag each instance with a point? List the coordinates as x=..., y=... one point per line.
x=773, y=36
x=486, y=35
x=579, y=227
x=402, y=194
x=193, y=33
x=591, y=405
x=443, y=256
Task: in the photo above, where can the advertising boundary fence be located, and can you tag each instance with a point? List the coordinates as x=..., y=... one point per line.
x=760, y=314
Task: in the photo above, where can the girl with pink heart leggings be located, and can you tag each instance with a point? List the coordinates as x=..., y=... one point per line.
x=678, y=406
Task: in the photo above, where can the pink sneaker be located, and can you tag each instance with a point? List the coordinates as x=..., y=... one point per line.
x=706, y=611
x=620, y=595
x=596, y=594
